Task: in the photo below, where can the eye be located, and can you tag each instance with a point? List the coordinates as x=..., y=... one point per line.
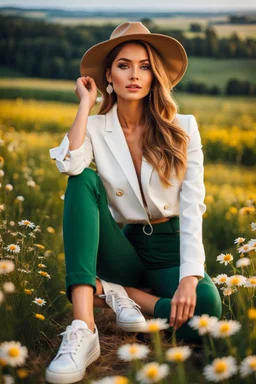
x=146, y=66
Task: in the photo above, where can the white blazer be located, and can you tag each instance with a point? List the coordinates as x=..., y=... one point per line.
x=105, y=144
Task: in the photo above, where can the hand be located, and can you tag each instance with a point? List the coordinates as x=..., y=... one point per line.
x=86, y=89
x=184, y=301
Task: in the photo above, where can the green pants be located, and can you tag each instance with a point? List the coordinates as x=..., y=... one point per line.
x=94, y=244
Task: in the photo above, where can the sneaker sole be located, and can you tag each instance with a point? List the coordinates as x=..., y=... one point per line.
x=132, y=327
x=69, y=378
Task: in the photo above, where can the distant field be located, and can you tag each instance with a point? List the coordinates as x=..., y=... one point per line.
x=181, y=23
x=219, y=71
x=205, y=70
x=177, y=22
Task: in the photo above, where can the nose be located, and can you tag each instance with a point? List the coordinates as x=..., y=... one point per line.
x=134, y=78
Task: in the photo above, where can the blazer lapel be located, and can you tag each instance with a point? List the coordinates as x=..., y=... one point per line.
x=117, y=143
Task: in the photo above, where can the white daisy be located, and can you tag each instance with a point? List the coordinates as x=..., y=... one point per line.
x=225, y=259
x=243, y=262
x=227, y=291
x=112, y=380
x=248, y=366
x=26, y=223
x=221, y=369
x=202, y=323
x=236, y=280
x=250, y=282
x=6, y=266
x=14, y=248
x=8, y=379
x=252, y=244
x=9, y=187
x=31, y=183
x=220, y=279
x=45, y=274
x=23, y=270
x=1, y=172
x=152, y=373
x=62, y=197
x=132, y=351
x=20, y=198
x=1, y=297
x=8, y=287
x=178, y=354
x=244, y=249
x=39, y=301
x=253, y=226
x=2, y=207
x=156, y=325
x=225, y=328
x=239, y=240
x=13, y=353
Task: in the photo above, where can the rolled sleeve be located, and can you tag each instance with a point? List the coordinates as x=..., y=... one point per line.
x=72, y=162
x=192, y=207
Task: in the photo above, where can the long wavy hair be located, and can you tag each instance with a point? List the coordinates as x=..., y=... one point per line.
x=164, y=141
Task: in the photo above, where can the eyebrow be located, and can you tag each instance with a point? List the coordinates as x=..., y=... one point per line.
x=123, y=58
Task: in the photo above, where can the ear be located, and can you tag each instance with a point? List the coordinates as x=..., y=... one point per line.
x=108, y=75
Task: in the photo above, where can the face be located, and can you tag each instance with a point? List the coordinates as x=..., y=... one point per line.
x=131, y=66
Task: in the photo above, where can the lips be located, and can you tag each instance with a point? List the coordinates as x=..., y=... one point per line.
x=133, y=86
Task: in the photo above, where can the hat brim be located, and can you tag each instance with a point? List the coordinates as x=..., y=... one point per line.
x=171, y=50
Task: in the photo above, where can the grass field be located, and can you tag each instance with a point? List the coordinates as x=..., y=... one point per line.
x=206, y=70
x=28, y=129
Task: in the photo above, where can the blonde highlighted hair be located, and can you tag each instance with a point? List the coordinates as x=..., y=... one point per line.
x=164, y=142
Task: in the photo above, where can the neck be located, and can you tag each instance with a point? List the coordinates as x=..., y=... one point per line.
x=130, y=115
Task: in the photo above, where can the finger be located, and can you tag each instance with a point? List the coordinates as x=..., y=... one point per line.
x=192, y=310
x=179, y=315
x=173, y=313
x=186, y=313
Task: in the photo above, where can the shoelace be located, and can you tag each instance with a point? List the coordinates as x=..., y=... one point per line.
x=121, y=300
x=71, y=345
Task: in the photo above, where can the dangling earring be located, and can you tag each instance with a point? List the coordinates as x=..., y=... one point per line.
x=109, y=88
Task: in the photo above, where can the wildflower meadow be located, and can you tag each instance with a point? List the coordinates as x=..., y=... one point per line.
x=34, y=309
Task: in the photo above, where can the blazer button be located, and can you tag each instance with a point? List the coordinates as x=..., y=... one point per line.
x=119, y=193
x=166, y=206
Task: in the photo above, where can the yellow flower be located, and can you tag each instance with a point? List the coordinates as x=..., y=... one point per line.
x=246, y=210
x=62, y=292
x=22, y=373
x=40, y=246
x=50, y=230
x=156, y=325
x=1, y=161
x=45, y=274
x=39, y=316
x=121, y=380
x=252, y=313
x=233, y=210
x=41, y=265
x=28, y=291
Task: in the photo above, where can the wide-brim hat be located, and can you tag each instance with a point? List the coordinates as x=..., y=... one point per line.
x=171, y=50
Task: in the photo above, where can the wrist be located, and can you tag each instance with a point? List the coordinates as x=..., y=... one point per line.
x=85, y=103
x=190, y=279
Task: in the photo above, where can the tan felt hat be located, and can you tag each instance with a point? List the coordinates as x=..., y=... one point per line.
x=171, y=50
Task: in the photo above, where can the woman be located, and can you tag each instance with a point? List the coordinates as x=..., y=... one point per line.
x=149, y=178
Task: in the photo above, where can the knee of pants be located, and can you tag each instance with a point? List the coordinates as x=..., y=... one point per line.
x=88, y=176
x=208, y=301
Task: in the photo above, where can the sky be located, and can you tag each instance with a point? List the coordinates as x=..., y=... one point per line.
x=160, y=5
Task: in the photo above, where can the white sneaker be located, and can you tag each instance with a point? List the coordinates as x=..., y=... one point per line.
x=128, y=315
x=78, y=349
